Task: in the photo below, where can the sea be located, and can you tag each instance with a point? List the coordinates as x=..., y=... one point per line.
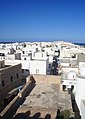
x=81, y=44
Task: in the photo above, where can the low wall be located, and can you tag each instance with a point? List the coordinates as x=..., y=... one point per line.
x=18, y=100
x=47, y=79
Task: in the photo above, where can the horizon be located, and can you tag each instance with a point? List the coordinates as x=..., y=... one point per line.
x=18, y=41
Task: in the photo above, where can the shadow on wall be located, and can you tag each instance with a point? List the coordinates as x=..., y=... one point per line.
x=27, y=116
x=8, y=113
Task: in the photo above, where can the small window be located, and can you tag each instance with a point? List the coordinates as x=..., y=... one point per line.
x=34, y=54
x=3, y=83
x=64, y=87
x=22, y=70
x=1, y=65
x=47, y=55
x=17, y=75
x=24, y=58
x=42, y=54
x=37, y=71
x=23, y=52
x=11, y=79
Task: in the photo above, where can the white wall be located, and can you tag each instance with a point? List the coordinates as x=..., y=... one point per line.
x=26, y=57
x=51, y=59
x=32, y=65
x=80, y=91
x=82, y=109
x=80, y=87
x=69, y=79
x=5, y=51
x=82, y=68
x=70, y=83
x=29, y=49
x=40, y=66
x=68, y=69
x=49, y=51
x=71, y=75
x=39, y=55
x=65, y=64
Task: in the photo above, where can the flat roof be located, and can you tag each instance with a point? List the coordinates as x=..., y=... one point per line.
x=45, y=98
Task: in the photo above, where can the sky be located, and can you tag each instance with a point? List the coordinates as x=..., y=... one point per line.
x=42, y=20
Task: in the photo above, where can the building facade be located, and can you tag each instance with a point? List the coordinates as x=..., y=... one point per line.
x=10, y=77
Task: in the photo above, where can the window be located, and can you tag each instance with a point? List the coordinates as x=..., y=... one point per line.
x=23, y=52
x=11, y=79
x=24, y=58
x=37, y=71
x=3, y=83
x=64, y=87
x=47, y=55
x=42, y=54
x=49, y=65
x=1, y=65
x=22, y=70
x=34, y=54
x=27, y=71
x=17, y=75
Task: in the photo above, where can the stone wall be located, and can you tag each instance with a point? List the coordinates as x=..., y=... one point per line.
x=11, y=76
x=18, y=100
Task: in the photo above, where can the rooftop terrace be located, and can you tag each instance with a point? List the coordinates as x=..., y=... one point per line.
x=45, y=99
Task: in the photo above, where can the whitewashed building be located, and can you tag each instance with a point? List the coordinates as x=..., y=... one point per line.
x=10, y=77
x=31, y=66
x=80, y=89
x=69, y=81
